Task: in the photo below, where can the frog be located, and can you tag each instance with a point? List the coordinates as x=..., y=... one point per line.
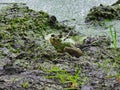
x=56, y=41
x=62, y=45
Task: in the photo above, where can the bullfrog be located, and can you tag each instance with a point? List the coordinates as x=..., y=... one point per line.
x=65, y=45
x=56, y=41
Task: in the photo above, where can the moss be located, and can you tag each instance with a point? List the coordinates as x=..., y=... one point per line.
x=25, y=84
x=23, y=33
x=100, y=13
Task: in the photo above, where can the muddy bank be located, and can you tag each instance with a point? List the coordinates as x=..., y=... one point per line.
x=29, y=62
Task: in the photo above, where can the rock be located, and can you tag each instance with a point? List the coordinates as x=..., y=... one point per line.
x=52, y=20
x=9, y=69
x=73, y=51
x=102, y=12
x=87, y=87
x=116, y=3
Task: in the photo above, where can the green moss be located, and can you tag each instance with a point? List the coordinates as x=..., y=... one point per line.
x=25, y=84
x=67, y=78
x=23, y=31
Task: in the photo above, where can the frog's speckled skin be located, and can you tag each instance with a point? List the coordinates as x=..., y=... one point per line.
x=57, y=43
x=64, y=46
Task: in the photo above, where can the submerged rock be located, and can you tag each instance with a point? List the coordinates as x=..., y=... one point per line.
x=116, y=3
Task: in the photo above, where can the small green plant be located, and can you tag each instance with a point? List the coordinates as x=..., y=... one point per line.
x=67, y=78
x=113, y=34
x=117, y=59
x=108, y=66
x=105, y=65
x=25, y=84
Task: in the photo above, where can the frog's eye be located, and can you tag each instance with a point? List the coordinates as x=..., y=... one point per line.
x=52, y=35
x=60, y=36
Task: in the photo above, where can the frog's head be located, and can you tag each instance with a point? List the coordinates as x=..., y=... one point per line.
x=55, y=39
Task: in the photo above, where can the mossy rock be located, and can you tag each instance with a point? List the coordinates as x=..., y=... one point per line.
x=23, y=31
x=102, y=13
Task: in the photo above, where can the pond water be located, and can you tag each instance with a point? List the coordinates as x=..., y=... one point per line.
x=74, y=11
